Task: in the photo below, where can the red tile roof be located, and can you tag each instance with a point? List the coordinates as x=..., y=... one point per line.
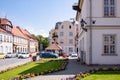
x=27, y=34
x=16, y=31
x=2, y=30
x=4, y=21
x=53, y=47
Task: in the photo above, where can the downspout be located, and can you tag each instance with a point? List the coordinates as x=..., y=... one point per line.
x=90, y=49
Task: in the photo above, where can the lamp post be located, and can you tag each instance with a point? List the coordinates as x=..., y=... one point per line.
x=82, y=22
x=73, y=20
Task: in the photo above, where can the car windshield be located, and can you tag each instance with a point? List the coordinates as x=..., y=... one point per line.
x=23, y=53
x=9, y=53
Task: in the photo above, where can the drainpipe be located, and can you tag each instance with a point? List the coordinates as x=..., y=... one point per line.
x=90, y=48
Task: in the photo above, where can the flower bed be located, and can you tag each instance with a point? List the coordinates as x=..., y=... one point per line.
x=82, y=75
x=25, y=76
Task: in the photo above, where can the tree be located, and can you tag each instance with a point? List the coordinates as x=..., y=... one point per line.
x=42, y=42
x=54, y=37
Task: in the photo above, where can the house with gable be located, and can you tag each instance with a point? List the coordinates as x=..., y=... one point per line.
x=6, y=37
x=32, y=42
x=20, y=42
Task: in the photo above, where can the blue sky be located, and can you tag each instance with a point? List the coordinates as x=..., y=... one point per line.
x=37, y=16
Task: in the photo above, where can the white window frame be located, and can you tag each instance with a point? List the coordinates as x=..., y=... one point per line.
x=109, y=9
x=110, y=44
x=61, y=34
x=71, y=34
x=0, y=38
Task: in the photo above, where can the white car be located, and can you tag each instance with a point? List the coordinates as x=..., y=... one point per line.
x=10, y=55
x=23, y=55
x=74, y=54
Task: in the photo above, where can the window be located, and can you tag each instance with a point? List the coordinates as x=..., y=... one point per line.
x=69, y=26
x=109, y=7
x=61, y=41
x=7, y=38
x=62, y=27
x=109, y=44
x=70, y=41
x=70, y=33
x=4, y=38
x=0, y=38
x=10, y=39
x=70, y=49
x=61, y=34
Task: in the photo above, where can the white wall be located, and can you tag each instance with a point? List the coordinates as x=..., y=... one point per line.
x=6, y=46
x=98, y=13
x=66, y=36
x=97, y=48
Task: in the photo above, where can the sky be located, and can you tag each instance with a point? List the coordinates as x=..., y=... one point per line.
x=37, y=16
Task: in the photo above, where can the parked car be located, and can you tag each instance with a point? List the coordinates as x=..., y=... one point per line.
x=2, y=56
x=64, y=54
x=73, y=54
x=23, y=55
x=10, y=55
x=48, y=55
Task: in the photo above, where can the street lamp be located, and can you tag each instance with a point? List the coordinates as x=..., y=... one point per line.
x=73, y=20
x=82, y=22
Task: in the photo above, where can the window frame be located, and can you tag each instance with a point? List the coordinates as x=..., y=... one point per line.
x=71, y=34
x=61, y=34
x=109, y=8
x=109, y=45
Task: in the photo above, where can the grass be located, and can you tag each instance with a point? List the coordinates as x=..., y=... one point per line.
x=104, y=75
x=33, y=67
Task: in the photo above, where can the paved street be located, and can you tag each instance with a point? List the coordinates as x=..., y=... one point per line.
x=10, y=62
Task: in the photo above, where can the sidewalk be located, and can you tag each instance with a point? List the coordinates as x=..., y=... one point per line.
x=72, y=69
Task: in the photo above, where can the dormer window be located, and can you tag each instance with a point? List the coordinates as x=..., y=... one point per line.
x=8, y=28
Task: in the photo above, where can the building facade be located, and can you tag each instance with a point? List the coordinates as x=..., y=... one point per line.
x=65, y=32
x=15, y=39
x=6, y=37
x=99, y=31
x=20, y=41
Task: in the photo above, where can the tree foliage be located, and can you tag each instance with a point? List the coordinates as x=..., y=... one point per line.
x=54, y=37
x=42, y=42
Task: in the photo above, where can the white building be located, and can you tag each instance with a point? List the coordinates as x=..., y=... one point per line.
x=6, y=37
x=65, y=32
x=100, y=44
x=20, y=41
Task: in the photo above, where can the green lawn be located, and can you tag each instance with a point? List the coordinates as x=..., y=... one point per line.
x=104, y=75
x=34, y=67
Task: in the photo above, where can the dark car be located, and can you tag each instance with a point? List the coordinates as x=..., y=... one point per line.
x=48, y=55
x=64, y=54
